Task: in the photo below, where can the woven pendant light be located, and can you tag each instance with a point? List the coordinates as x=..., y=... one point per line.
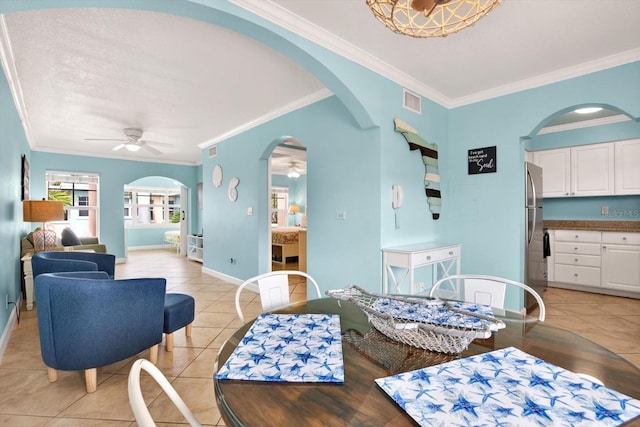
x=429, y=18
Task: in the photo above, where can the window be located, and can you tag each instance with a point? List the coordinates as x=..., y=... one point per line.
x=279, y=206
x=147, y=206
x=79, y=193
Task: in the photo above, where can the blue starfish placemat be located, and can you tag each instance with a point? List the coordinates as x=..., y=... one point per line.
x=506, y=388
x=288, y=347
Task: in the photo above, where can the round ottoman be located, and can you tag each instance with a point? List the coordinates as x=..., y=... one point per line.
x=179, y=311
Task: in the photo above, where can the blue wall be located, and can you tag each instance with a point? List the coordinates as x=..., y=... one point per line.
x=13, y=145
x=354, y=157
x=487, y=215
x=114, y=175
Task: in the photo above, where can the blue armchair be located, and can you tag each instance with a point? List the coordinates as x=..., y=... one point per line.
x=87, y=320
x=56, y=262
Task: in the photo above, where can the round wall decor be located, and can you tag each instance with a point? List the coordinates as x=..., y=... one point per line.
x=233, y=191
x=217, y=176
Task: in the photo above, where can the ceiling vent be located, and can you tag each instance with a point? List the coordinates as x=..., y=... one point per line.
x=213, y=151
x=411, y=101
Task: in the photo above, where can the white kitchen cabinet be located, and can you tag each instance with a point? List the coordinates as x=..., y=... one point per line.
x=592, y=170
x=627, y=170
x=556, y=171
x=605, y=262
x=621, y=261
x=586, y=170
x=577, y=257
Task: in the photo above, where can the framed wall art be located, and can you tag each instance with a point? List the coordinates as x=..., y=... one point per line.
x=25, y=178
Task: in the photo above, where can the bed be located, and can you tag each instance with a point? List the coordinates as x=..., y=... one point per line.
x=172, y=238
x=284, y=243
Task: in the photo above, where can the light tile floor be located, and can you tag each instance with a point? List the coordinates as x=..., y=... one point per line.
x=28, y=399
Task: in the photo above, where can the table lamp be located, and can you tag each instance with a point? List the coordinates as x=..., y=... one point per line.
x=43, y=211
x=294, y=209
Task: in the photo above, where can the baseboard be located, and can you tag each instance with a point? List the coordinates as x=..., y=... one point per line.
x=6, y=334
x=230, y=279
x=594, y=289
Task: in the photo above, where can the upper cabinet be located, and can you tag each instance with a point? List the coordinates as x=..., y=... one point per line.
x=627, y=170
x=591, y=170
x=556, y=171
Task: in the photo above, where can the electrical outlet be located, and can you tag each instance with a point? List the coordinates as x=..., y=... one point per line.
x=604, y=210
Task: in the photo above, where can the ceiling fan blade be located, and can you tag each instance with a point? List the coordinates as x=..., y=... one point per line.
x=118, y=147
x=159, y=144
x=150, y=149
x=103, y=139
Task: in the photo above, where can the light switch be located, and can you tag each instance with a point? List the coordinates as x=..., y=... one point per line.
x=341, y=215
x=249, y=211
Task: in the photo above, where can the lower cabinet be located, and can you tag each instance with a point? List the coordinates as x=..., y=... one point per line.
x=606, y=262
x=577, y=257
x=621, y=261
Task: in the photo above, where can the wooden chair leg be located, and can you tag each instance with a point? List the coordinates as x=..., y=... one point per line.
x=187, y=330
x=153, y=354
x=53, y=375
x=91, y=379
x=169, y=341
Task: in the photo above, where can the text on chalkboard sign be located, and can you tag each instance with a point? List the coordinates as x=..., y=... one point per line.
x=483, y=160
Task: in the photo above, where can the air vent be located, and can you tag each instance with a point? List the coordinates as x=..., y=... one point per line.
x=213, y=151
x=411, y=101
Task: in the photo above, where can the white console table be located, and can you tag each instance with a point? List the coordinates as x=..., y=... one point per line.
x=28, y=280
x=443, y=257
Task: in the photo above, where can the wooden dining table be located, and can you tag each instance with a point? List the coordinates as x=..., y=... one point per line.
x=369, y=355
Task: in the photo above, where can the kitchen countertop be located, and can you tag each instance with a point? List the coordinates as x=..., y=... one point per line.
x=629, y=226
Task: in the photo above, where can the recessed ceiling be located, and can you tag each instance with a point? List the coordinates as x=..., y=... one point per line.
x=89, y=73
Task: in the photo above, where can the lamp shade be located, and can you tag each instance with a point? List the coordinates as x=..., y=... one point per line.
x=42, y=210
x=294, y=209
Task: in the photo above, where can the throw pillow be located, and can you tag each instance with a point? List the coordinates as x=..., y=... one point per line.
x=69, y=238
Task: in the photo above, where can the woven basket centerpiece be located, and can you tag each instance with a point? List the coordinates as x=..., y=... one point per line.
x=446, y=327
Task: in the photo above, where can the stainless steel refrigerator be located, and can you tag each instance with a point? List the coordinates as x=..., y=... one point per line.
x=537, y=239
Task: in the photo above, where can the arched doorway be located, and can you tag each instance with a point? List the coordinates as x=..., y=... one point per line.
x=288, y=205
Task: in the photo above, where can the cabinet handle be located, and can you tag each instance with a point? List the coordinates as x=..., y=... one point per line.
x=577, y=237
x=624, y=238
x=428, y=258
x=604, y=247
x=451, y=252
x=575, y=274
x=576, y=259
x=575, y=249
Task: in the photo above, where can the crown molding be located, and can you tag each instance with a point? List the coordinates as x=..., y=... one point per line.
x=280, y=111
x=298, y=25
x=584, y=124
x=611, y=61
x=114, y=156
x=284, y=18
x=11, y=73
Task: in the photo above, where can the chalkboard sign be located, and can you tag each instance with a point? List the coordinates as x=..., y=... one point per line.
x=483, y=160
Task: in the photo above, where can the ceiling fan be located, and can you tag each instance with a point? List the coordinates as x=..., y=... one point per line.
x=132, y=141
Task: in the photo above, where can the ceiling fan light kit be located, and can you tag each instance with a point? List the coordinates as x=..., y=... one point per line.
x=429, y=18
x=132, y=141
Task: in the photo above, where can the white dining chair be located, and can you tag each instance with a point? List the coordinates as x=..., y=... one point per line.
x=481, y=289
x=273, y=288
x=136, y=400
